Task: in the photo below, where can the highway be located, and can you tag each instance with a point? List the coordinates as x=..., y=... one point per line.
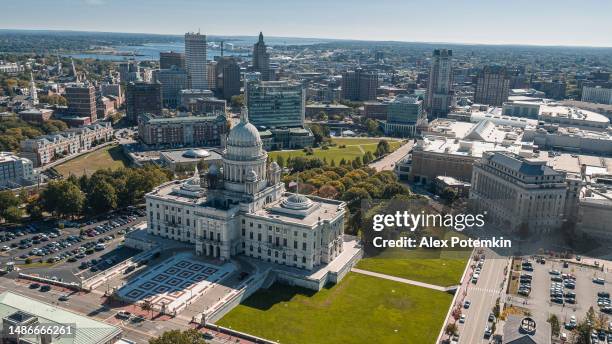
x=482, y=296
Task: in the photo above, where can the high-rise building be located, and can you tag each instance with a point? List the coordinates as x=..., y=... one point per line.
x=211, y=74
x=227, y=78
x=195, y=60
x=359, y=85
x=81, y=101
x=439, y=87
x=275, y=104
x=167, y=59
x=404, y=116
x=143, y=98
x=261, y=59
x=492, y=86
x=173, y=80
x=597, y=94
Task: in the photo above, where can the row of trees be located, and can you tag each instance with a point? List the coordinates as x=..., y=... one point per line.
x=15, y=130
x=105, y=190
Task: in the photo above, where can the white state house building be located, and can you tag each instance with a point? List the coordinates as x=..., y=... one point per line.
x=242, y=208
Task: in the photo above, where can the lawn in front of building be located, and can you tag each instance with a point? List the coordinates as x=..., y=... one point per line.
x=360, y=309
x=354, y=148
x=108, y=157
x=439, y=267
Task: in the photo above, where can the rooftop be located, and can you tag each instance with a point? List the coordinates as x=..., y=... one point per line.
x=85, y=330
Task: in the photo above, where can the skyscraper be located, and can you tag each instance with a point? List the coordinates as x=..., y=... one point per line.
x=228, y=77
x=195, y=60
x=275, y=104
x=141, y=98
x=167, y=59
x=359, y=85
x=493, y=86
x=439, y=88
x=82, y=101
x=261, y=59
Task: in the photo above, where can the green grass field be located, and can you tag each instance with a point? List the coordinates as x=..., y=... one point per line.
x=360, y=309
x=356, y=147
x=443, y=268
x=108, y=157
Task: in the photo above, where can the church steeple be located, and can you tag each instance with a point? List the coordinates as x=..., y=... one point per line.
x=33, y=92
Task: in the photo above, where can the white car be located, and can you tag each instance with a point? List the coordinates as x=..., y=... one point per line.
x=462, y=319
x=5, y=248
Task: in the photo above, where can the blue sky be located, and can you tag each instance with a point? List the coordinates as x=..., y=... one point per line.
x=540, y=22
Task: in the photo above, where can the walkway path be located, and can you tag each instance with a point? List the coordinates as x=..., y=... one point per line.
x=403, y=280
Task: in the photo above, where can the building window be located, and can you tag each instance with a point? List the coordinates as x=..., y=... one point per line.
x=295, y=244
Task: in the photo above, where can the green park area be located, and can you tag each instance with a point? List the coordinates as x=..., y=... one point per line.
x=352, y=148
x=439, y=267
x=360, y=308
x=108, y=157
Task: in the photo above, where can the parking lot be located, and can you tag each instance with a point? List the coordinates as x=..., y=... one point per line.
x=82, y=249
x=564, y=288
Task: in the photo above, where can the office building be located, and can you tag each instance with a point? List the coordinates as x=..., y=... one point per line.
x=439, y=87
x=597, y=94
x=205, y=131
x=172, y=81
x=141, y=98
x=211, y=73
x=36, y=115
x=493, y=86
x=81, y=101
x=261, y=60
x=15, y=171
x=517, y=192
x=227, y=81
x=167, y=59
x=189, y=96
x=195, y=60
x=404, y=116
x=275, y=104
x=129, y=71
x=208, y=106
x=435, y=156
x=359, y=85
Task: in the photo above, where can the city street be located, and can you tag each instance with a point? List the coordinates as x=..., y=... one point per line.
x=482, y=297
x=388, y=162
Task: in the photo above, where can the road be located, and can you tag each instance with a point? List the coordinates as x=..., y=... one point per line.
x=388, y=162
x=482, y=296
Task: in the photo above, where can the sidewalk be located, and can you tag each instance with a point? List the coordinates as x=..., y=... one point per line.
x=403, y=280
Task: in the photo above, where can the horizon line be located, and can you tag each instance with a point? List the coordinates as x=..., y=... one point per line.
x=325, y=38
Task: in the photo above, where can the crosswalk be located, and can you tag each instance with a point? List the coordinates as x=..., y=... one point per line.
x=485, y=290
